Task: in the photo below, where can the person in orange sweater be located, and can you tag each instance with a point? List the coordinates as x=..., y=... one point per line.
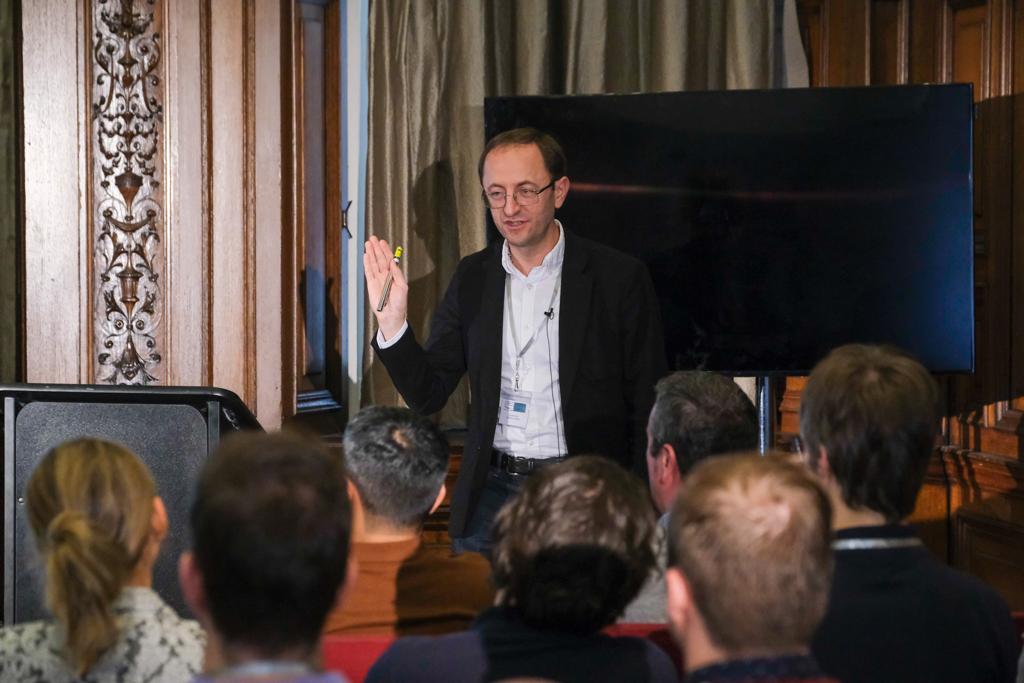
x=397, y=462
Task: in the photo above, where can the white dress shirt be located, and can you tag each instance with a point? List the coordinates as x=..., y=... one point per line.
x=544, y=433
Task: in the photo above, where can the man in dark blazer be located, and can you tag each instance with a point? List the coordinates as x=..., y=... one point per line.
x=585, y=336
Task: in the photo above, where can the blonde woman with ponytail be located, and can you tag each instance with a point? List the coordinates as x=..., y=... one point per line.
x=98, y=524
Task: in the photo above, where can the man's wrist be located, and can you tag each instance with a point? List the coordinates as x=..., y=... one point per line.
x=385, y=340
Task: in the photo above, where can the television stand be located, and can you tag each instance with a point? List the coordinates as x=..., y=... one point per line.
x=765, y=414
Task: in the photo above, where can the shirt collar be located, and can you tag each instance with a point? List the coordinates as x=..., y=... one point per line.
x=137, y=599
x=880, y=531
x=790, y=668
x=549, y=267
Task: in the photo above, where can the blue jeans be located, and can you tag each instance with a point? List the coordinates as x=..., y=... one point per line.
x=499, y=488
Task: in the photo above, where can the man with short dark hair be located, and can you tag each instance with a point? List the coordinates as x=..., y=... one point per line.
x=749, y=572
x=696, y=415
x=560, y=338
x=397, y=462
x=571, y=550
x=869, y=419
x=270, y=528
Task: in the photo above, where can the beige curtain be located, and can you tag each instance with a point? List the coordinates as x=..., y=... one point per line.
x=432, y=64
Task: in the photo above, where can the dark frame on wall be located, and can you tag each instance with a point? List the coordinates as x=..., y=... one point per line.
x=12, y=357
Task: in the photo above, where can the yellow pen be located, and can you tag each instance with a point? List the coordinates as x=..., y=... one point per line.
x=387, y=282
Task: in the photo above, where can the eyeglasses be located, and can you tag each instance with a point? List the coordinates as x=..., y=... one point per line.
x=524, y=196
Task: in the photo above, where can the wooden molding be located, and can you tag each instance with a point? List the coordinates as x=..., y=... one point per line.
x=789, y=409
x=993, y=550
x=983, y=474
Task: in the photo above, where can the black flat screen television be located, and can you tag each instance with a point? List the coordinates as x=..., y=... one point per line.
x=779, y=224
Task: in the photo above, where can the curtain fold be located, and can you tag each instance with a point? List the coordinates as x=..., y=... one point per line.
x=432, y=64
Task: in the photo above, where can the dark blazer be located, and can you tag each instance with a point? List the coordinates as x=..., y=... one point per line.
x=611, y=352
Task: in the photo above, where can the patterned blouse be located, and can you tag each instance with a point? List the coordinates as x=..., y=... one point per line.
x=156, y=646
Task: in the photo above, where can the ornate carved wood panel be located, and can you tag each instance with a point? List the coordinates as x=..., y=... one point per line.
x=127, y=201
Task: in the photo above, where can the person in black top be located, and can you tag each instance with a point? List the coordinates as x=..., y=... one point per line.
x=572, y=548
x=869, y=417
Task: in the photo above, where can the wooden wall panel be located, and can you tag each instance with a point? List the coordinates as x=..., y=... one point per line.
x=968, y=49
x=231, y=352
x=889, y=42
x=925, y=20
x=1017, y=264
x=993, y=551
x=186, y=237
x=315, y=383
x=56, y=238
x=989, y=521
x=848, y=60
x=931, y=511
x=266, y=162
x=812, y=30
x=218, y=164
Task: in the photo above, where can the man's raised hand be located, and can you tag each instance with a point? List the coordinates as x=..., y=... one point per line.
x=378, y=261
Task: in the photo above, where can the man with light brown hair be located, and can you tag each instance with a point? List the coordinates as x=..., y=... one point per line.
x=750, y=567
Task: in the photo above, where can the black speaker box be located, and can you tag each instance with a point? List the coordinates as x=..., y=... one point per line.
x=173, y=429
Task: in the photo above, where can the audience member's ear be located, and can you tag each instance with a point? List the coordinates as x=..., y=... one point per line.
x=819, y=463
x=668, y=464
x=679, y=603
x=357, y=511
x=353, y=492
x=440, y=499
x=158, y=522
x=192, y=588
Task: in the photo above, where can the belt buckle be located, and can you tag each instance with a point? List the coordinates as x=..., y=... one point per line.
x=519, y=466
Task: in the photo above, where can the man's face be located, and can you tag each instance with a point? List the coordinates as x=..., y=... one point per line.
x=514, y=167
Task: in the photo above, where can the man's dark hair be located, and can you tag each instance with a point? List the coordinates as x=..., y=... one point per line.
x=574, y=546
x=550, y=150
x=271, y=525
x=701, y=414
x=397, y=461
x=875, y=410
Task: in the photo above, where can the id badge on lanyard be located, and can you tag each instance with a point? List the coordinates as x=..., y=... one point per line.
x=514, y=408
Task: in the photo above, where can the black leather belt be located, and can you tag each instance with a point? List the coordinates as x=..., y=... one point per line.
x=515, y=465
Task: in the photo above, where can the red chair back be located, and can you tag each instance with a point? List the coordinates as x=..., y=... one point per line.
x=656, y=633
x=353, y=656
